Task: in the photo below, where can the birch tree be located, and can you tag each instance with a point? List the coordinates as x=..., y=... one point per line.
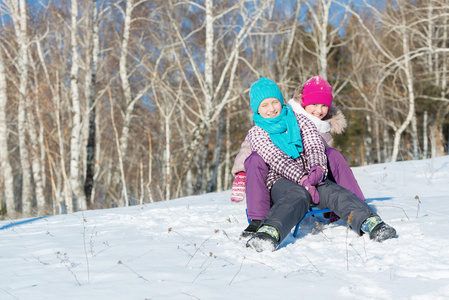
x=395, y=64
x=167, y=107
x=35, y=133
x=285, y=62
x=130, y=97
x=209, y=85
x=5, y=165
x=321, y=34
x=407, y=69
x=75, y=176
x=92, y=57
x=36, y=166
x=18, y=13
x=223, y=78
x=129, y=100
x=60, y=179
x=432, y=34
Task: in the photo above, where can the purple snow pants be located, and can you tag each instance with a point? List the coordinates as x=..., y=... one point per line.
x=340, y=172
x=258, y=196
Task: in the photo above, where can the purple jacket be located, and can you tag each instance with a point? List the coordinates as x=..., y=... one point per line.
x=281, y=165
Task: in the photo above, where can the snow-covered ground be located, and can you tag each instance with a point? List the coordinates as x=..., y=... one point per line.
x=190, y=248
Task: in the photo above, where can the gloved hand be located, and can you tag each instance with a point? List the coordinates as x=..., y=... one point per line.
x=305, y=182
x=316, y=175
x=238, y=187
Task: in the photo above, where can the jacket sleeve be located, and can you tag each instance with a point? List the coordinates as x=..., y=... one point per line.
x=239, y=162
x=327, y=139
x=314, y=150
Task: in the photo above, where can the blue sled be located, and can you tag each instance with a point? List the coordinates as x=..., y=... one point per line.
x=314, y=210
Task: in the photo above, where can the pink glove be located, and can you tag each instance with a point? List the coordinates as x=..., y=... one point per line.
x=316, y=175
x=310, y=188
x=238, y=187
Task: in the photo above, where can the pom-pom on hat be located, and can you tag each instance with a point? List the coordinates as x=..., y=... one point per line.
x=262, y=89
x=317, y=91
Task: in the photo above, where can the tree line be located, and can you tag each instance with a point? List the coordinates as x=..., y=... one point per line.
x=109, y=103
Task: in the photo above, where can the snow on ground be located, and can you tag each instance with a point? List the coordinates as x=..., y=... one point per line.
x=189, y=248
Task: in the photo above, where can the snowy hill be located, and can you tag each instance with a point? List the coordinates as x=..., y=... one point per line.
x=189, y=248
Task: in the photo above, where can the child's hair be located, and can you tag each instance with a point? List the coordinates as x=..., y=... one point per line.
x=297, y=96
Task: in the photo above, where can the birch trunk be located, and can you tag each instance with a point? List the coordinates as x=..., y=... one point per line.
x=425, y=138
x=444, y=60
x=5, y=165
x=440, y=139
x=414, y=136
x=411, y=97
x=41, y=140
x=36, y=166
x=209, y=56
x=367, y=141
x=386, y=149
x=20, y=26
x=444, y=76
x=91, y=111
x=75, y=178
x=167, y=157
x=200, y=187
x=37, y=144
x=150, y=168
x=38, y=125
x=166, y=107
x=433, y=141
x=120, y=155
x=220, y=132
x=66, y=188
x=209, y=82
x=285, y=59
x=167, y=110
x=129, y=100
x=27, y=204
x=201, y=132
x=227, y=172
x=124, y=78
x=377, y=137
x=62, y=185
x=323, y=36
x=429, y=38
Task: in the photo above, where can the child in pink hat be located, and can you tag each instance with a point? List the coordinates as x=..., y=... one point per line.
x=314, y=100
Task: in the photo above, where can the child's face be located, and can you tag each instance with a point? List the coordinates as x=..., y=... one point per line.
x=317, y=110
x=270, y=108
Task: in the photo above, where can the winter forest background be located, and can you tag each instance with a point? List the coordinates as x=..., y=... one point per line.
x=109, y=103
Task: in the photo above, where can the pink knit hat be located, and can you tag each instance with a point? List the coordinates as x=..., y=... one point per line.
x=317, y=91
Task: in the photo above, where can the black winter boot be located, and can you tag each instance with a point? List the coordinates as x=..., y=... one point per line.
x=382, y=232
x=251, y=229
x=266, y=238
x=262, y=241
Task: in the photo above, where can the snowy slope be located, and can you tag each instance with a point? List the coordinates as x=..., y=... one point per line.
x=189, y=248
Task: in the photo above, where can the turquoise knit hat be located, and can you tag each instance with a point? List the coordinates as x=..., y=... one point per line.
x=262, y=89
